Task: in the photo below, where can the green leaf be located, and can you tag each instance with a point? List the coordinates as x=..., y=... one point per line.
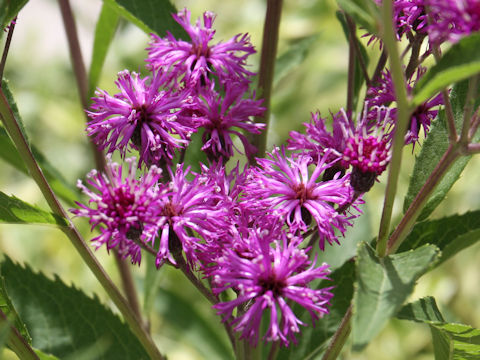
x=365, y=13
x=8, y=10
x=422, y=310
x=455, y=342
x=149, y=15
x=293, y=57
x=62, y=319
x=432, y=151
x=312, y=340
x=191, y=324
x=450, y=234
x=44, y=356
x=9, y=310
x=383, y=284
x=104, y=32
x=16, y=211
x=460, y=62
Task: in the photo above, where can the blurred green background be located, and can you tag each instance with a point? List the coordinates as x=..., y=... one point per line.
x=42, y=81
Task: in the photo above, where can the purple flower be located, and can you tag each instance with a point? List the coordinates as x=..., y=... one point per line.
x=122, y=208
x=285, y=185
x=222, y=116
x=195, y=60
x=318, y=139
x=383, y=94
x=270, y=280
x=188, y=210
x=450, y=20
x=141, y=116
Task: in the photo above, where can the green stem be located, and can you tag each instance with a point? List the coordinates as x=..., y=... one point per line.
x=266, y=72
x=128, y=284
x=403, y=115
x=415, y=208
x=16, y=342
x=13, y=129
x=340, y=337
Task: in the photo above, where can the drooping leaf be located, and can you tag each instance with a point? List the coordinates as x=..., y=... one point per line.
x=62, y=319
x=149, y=15
x=313, y=340
x=463, y=342
x=450, y=234
x=460, y=62
x=16, y=211
x=293, y=57
x=364, y=12
x=383, y=284
x=104, y=33
x=422, y=310
x=432, y=151
x=191, y=324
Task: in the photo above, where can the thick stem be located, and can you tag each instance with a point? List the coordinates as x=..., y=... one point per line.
x=72, y=233
x=79, y=68
x=16, y=342
x=414, y=56
x=473, y=148
x=340, y=337
x=6, y=48
x=415, y=208
x=267, y=67
x=403, y=115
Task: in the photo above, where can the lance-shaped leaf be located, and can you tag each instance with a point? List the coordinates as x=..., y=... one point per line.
x=383, y=285
x=422, y=310
x=16, y=211
x=450, y=341
x=149, y=15
x=62, y=320
x=432, y=151
x=460, y=62
x=450, y=234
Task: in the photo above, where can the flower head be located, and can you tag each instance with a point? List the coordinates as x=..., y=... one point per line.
x=274, y=277
x=450, y=20
x=223, y=116
x=122, y=208
x=195, y=60
x=141, y=117
x=186, y=209
x=285, y=185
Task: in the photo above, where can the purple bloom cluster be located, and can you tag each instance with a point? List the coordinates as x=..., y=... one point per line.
x=450, y=20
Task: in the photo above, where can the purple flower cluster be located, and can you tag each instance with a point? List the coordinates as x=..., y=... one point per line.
x=156, y=115
x=250, y=232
